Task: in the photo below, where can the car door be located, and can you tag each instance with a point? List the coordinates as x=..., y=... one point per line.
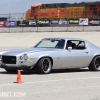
x=76, y=58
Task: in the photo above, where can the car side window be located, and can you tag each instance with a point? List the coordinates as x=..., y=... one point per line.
x=81, y=45
x=76, y=44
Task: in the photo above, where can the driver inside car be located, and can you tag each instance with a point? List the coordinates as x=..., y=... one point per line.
x=69, y=44
x=74, y=46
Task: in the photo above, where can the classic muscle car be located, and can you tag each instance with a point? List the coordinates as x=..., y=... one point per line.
x=53, y=53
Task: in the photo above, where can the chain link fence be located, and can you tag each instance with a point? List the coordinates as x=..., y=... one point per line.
x=15, y=23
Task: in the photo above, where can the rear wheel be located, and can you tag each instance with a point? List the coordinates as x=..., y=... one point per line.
x=44, y=66
x=95, y=64
x=11, y=71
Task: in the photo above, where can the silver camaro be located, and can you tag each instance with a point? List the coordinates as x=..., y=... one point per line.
x=53, y=53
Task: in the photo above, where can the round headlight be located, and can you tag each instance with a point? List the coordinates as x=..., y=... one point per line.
x=25, y=57
x=21, y=57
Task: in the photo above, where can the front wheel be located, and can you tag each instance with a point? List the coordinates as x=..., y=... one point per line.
x=95, y=64
x=44, y=66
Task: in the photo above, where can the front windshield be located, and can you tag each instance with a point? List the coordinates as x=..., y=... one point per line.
x=51, y=43
x=35, y=8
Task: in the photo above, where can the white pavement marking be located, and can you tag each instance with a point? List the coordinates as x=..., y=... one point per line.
x=59, y=89
x=72, y=79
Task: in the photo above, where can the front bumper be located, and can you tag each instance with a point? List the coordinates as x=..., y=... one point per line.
x=17, y=67
x=23, y=65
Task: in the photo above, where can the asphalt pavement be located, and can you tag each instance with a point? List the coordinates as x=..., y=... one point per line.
x=75, y=84
x=79, y=84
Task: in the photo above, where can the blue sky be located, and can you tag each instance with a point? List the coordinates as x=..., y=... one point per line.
x=20, y=6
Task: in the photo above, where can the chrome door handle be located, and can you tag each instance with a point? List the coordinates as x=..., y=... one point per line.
x=87, y=52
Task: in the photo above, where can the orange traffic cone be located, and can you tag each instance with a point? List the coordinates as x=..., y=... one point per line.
x=19, y=79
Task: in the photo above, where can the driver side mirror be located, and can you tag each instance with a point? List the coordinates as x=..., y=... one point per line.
x=69, y=48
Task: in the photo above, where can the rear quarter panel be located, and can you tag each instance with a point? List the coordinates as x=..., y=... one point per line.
x=93, y=50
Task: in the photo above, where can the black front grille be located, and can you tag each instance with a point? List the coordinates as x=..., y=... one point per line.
x=9, y=59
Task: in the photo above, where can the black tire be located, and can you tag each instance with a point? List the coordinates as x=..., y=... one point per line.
x=95, y=64
x=44, y=66
x=11, y=71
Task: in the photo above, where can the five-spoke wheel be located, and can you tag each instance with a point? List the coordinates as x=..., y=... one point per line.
x=44, y=65
x=95, y=64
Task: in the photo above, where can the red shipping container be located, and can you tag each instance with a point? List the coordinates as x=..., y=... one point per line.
x=1, y=23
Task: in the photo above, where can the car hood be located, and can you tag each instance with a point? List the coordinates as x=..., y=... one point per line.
x=29, y=50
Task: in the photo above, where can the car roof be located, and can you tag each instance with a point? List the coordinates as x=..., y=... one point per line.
x=66, y=38
x=70, y=38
